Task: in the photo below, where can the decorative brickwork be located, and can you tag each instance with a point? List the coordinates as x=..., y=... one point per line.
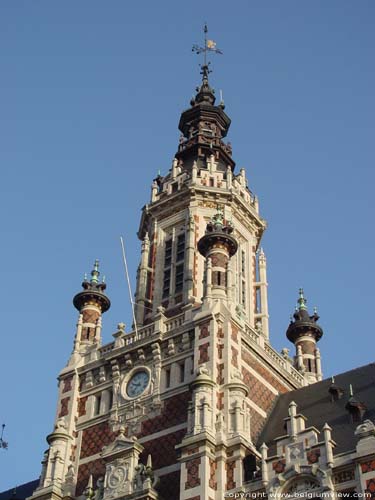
x=212, y=481
x=174, y=412
x=229, y=467
x=64, y=407
x=162, y=449
x=96, y=468
x=82, y=406
x=220, y=348
x=169, y=485
x=234, y=357
x=368, y=466
x=278, y=466
x=313, y=456
x=90, y=316
x=256, y=424
x=73, y=451
x=220, y=333
x=370, y=489
x=234, y=334
x=203, y=353
x=192, y=468
x=220, y=400
x=94, y=438
x=67, y=384
x=344, y=476
x=220, y=377
x=259, y=393
x=263, y=372
x=204, y=330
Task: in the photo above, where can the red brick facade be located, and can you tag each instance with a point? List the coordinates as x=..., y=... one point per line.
x=220, y=370
x=203, y=353
x=204, y=330
x=212, y=481
x=174, y=412
x=263, y=372
x=162, y=449
x=64, y=407
x=192, y=468
x=259, y=393
x=96, y=468
x=313, y=456
x=94, y=438
x=230, y=466
x=368, y=466
x=370, y=489
x=67, y=384
x=234, y=357
x=82, y=406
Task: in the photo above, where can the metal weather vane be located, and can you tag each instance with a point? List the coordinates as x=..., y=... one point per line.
x=3, y=444
x=209, y=46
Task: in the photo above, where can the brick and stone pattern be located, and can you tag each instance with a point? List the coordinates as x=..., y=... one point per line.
x=313, y=456
x=278, y=466
x=96, y=468
x=230, y=466
x=67, y=384
x=204, y=330
x=82, y=406
x=94, y=438
x=263, y=372
x=368, y=466
x=370, y=489
x=203, y=353
x=256, y=424
x=192, y=469
x=259, y=393
x=234, y=357
x=174, y=412
x=169, y=486
x=220, y=371
x=64, y=407
x=162, y=449
x=212, y=481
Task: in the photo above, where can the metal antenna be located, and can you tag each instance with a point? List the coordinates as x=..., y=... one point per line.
x=128, y=280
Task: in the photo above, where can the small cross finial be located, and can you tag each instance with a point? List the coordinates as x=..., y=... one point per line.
x=302, y=301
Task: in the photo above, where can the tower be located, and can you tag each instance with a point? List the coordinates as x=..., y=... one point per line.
x=173, y=409
x=305, y=332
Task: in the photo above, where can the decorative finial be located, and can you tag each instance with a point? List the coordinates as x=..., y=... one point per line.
x=103, y=279
x=209, y=46
x=315, y=310
x=302, y=301
x=332, y=379
x=85, y=277
x=95, y=272
x=351, y=393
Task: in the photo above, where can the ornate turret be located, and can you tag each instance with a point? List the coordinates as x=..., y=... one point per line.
x=203, y=127
x=305, y=332
x=91, y=303
x=218, y=246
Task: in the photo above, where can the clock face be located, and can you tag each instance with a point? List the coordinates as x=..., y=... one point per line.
x=137, y=384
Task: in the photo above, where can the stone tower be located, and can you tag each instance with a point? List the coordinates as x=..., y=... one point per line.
x=173, y=408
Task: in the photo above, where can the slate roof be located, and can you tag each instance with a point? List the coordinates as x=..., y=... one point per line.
x=20, y=492
x=314, y=402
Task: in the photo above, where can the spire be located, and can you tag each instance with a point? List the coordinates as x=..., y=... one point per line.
x=95, y=273
x=301, y=300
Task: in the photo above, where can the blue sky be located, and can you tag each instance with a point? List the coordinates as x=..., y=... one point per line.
x=90, y=98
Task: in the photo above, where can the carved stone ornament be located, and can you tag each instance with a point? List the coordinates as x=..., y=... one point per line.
x=302, y=485
x=367, y=428
x=117, y=481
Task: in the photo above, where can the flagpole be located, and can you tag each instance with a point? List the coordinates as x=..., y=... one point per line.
x=129, y=287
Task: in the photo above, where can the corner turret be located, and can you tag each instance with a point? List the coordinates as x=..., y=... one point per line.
x=305, y=332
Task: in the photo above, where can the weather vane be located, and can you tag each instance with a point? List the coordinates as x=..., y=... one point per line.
x=209, y=46
x=3, y=444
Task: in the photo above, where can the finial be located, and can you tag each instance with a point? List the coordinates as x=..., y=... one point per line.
x=209, y=46
x=302, y=301
x=159, y=172
x=95, y=272
x=103, y=279
x=332, y=379
x=85, y=277
x=315, y=310
x=351, y=394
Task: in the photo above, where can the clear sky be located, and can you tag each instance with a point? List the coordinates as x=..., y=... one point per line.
x=90, y=98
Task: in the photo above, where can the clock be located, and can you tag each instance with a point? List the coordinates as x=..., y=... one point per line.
x=137, y=384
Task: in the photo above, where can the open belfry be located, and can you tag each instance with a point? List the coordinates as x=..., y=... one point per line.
x=193, y=402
